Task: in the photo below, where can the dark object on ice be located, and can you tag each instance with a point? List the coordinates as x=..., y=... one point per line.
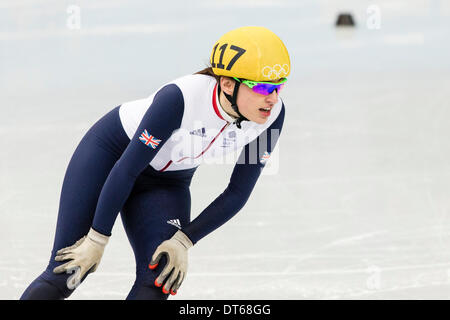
x=345, y=19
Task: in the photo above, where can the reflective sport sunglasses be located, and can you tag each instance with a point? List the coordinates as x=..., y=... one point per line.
x=264, y=88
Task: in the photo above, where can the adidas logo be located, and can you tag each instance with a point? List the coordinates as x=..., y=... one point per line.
x=175, y=222
x=199, y=132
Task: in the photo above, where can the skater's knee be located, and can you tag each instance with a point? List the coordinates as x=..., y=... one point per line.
x=44, y=288
x=49, y=286
x=146, y=291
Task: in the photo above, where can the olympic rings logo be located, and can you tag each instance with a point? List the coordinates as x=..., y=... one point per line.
x=275, y=72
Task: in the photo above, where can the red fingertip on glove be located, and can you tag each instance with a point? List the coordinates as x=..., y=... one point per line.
x=152, y=266
x=157, y=284
x=172, y=293
x=164, y=290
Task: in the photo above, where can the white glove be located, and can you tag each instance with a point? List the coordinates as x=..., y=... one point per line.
x=176, y=250
x=84, y=254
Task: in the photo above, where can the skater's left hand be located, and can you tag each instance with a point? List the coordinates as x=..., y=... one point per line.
x=176, y=250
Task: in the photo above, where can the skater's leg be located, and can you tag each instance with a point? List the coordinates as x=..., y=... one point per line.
x=86, y=173
x=145, y=218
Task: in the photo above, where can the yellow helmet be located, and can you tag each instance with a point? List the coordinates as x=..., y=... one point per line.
x=252, y=53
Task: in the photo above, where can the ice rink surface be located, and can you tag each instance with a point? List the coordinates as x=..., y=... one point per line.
x=355, y=206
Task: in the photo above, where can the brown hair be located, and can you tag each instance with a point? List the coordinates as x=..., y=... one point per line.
x=209, y=72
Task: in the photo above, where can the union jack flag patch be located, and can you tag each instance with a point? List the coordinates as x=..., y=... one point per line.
x=149, y=140
x=264, y=157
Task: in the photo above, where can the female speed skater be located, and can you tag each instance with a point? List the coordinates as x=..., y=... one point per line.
x=140, y=157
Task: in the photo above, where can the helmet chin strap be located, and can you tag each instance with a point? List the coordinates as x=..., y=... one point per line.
x=233, y=101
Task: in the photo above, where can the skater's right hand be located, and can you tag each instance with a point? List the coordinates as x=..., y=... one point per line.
x=85, y=254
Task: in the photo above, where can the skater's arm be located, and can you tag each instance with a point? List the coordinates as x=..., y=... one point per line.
x=243, y=179
x=161, y=119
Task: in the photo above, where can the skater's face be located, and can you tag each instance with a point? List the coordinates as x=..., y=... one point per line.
x=250, y=103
